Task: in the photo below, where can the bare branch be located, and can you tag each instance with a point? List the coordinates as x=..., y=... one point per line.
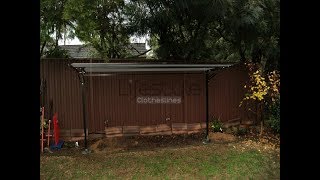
x=140, y=54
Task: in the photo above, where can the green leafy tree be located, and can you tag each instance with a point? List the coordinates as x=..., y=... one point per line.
x=101, y=24
x=53, y=27
x=262, y=91
x=218, y=30
x=231, y=30
x=251, y=27
x=180, y=29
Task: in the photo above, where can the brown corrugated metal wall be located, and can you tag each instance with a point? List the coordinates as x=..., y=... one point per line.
x=112, y=106
x=63, y=89
x=226, y=91
x=112, y=100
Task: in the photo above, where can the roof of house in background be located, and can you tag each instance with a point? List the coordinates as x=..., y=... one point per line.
x=137, y=48
x=78, y=51
x=83, y=51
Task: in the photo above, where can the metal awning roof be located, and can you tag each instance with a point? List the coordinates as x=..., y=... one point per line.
x=138, y=67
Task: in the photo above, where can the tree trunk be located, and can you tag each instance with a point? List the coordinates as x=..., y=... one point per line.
x=261, y=128
x=241, y=53
x=42, y=48
x=57, y=37
x=261, y=118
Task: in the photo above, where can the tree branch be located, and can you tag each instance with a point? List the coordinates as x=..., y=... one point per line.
x=140, y=54
x=134, y=48
x=224, y=37
x=43, y=45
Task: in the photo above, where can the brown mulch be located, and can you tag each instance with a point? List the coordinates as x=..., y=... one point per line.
x=144, y=142
x=219, y=137
x=268, y=141
x=267, y=138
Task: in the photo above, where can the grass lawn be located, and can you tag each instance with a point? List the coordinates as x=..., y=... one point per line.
x=212, y=161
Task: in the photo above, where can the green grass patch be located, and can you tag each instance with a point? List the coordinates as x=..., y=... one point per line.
x=210, y=161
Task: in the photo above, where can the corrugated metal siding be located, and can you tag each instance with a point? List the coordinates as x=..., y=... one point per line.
x=114, y=100
x=111, y=100
x=194, y=92
x=63, y=89
x=225, y=94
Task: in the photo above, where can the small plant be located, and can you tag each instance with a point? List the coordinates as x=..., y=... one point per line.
x=262, y=89
x=45, y=124
x=274, y=116
x=216, y=125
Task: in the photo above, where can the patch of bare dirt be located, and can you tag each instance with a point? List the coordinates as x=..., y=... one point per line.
x=267, y=142
x=267, y=138
x=261, y=145
x=222, y=137
x=144, y=142
x=154, y=143
x=104, y=144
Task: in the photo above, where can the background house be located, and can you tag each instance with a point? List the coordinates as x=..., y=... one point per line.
x=137, y=50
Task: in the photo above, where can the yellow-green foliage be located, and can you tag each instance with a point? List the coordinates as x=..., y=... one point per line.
x=274, y=81
x=259, y=89
x=45, y=124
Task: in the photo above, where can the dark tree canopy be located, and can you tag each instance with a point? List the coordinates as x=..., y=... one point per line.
x=180, y=28
x=189, y=30
x=100, y=24
x=53, y=27
x=228, y=30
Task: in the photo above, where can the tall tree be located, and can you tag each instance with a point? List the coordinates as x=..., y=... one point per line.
x=52, y=27
x=230, y=30
x=180, y=27
x=252, y=29
x=220, y=30
x=101, y=24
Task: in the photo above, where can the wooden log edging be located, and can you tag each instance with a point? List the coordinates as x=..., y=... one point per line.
x=160, y=129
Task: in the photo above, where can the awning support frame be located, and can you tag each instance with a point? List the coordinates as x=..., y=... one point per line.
x=80, y=68
x=81, y=75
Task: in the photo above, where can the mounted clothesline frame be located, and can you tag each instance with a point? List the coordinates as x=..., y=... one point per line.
x=110, y=69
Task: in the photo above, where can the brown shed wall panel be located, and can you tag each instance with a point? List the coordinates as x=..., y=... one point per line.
x=194, y=92
x=63, y=88
x=111, y=100
x=226, y=92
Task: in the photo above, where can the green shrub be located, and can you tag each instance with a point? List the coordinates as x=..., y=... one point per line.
x=45, y=124
x=274, y=116
x=57, y=53
x=216, y=125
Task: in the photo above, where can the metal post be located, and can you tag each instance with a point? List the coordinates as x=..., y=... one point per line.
x=207, y=140
x=82, y=82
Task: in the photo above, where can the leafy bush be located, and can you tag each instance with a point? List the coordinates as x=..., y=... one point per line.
x=274, y=116
x=45, y=124
x=216, y=125
x=57, y=53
